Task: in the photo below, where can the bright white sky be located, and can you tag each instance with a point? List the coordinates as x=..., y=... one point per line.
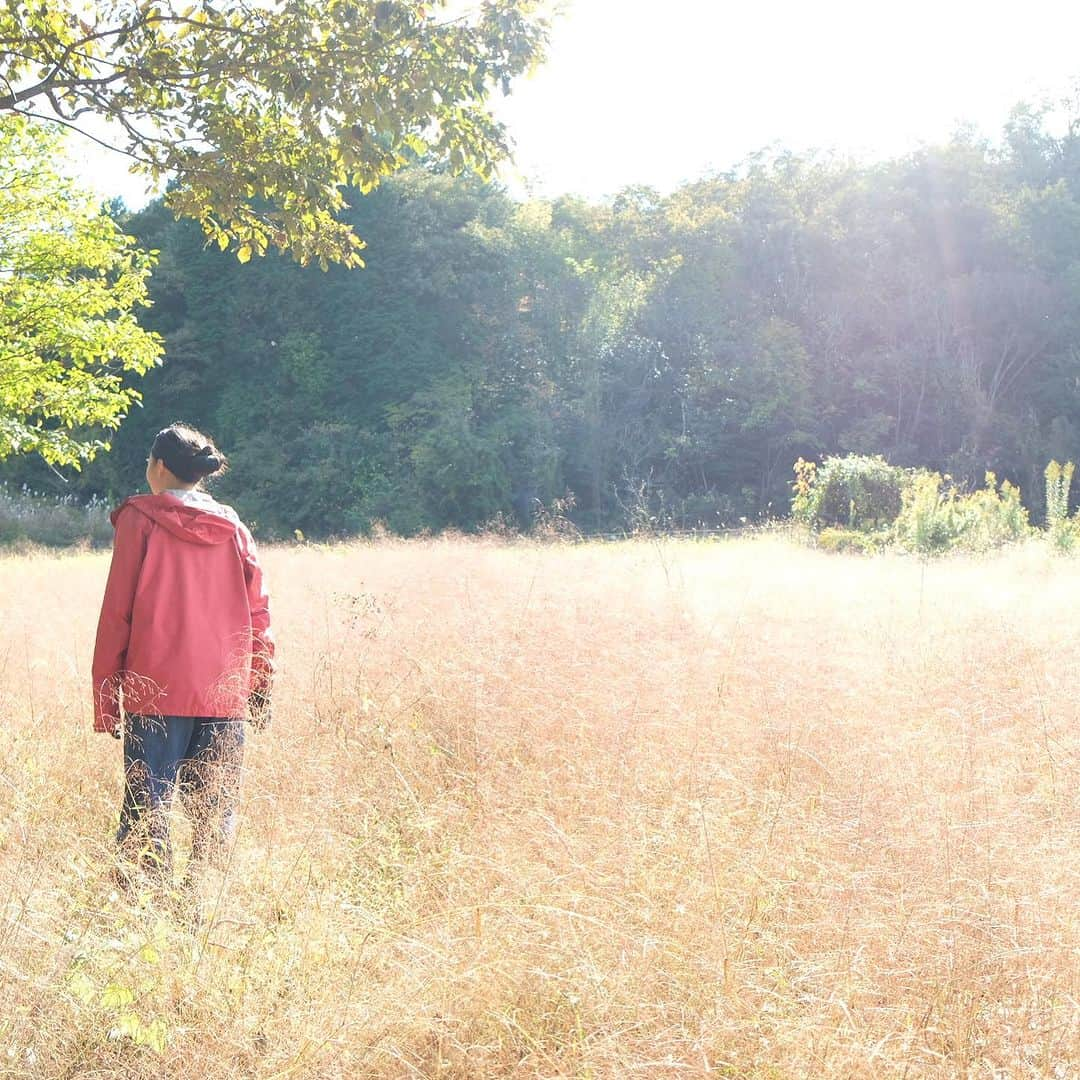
x=660, y=91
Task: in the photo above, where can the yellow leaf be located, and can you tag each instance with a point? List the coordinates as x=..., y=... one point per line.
x=126, y=1024
x=80, y=984
x=115, y=996
x=153, y=1035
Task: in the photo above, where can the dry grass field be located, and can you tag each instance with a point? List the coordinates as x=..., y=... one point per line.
x=656, y=809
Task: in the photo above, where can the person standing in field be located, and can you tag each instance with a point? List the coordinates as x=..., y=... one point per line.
x=184, y=653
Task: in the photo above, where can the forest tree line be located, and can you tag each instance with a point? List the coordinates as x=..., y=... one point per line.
x=648, y=357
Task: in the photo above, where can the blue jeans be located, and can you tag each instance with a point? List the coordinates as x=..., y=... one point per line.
x=198, y=755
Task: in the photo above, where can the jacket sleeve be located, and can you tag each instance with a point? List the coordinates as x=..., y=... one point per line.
x=262, y=638
x=114, y=623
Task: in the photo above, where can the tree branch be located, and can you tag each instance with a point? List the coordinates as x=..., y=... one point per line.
x=86, y=134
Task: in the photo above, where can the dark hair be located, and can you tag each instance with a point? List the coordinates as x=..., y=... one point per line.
x=188, y=454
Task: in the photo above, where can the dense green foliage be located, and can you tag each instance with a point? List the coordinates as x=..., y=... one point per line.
x=660, y=358
x=258, y=112
x=937, y=517
x=860, y=503
x=70, y=284
x=856, y=491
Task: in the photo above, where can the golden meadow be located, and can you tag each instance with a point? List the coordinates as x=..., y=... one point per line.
x=657, y=808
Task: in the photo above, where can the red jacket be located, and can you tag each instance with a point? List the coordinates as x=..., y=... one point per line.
x=185, y=623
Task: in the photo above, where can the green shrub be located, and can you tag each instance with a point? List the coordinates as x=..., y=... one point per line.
x=860, y=503
x=936, y=517
x=1060, y=528
x=851, y=541
x=994, y=516
x=854, y=492
x=925, y=523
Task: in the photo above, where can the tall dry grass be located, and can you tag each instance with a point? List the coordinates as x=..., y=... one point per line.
x=648, y=809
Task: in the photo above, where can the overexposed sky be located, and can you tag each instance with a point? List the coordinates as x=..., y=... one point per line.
x=660, y=91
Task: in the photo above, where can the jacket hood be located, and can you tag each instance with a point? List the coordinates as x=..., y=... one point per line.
x=197, y=524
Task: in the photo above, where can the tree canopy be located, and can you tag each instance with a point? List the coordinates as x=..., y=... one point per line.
x=661, y=358
x=70, y=284
x=260, y=113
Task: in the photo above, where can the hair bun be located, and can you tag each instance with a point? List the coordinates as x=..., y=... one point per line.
x=206, y=461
